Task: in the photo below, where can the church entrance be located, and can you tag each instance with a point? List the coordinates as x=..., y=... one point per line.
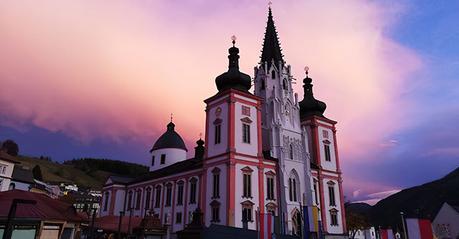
x=296, y=223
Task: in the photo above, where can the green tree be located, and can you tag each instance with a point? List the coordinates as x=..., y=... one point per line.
x=36, y=171
x=10, y=147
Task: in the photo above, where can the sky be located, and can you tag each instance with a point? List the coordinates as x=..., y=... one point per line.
x=98, y=79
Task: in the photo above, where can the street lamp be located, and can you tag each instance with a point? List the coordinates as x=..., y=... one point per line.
x=403, y=225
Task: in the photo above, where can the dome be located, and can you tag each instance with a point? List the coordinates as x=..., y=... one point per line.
x=170, y=139
x=233, y=78
x=310, y=105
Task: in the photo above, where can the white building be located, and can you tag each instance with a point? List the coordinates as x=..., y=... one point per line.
x=446, y=222
x=263, y=151
x=6, y=170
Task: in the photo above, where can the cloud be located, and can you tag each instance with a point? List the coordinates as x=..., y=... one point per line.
x=93, y=70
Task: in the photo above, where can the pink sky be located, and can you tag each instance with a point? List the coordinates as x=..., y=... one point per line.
x=116, y=70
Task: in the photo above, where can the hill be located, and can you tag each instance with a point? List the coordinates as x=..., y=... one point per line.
x=422, y=201
x=87, y=172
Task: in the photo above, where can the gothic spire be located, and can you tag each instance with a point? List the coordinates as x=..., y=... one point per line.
x=271, y=46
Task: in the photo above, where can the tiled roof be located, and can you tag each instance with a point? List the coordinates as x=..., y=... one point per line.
x=45, y=208
x=22, y=175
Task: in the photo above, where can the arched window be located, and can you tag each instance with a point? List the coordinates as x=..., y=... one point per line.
x=293, y=186
x=273, y=74
x=129, y=205
x=193, y=188
x=284, y=84
x=147, y=198
x=138, y=199
x=180, y=192
x=107, y=195
x=263, y=84
x=291, y=151
x=158, y=197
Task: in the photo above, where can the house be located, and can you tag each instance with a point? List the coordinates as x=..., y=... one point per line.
x=7, y=165
x=446, y=223
x=40, y=216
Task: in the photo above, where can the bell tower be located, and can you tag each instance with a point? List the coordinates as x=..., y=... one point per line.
x=283, y=137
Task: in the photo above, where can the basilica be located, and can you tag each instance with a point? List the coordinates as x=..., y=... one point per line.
x=263, y=152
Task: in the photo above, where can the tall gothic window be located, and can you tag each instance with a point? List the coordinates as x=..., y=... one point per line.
x=246, y=133
x=147, y=198
x=292, y=186
x=284, y=84
x=138, y=199
x=180, y=193
x=218, y=133
x=107, y=194
x=193, y=185
x=129, y=205
x=158, y=197
x=331, y=193
x=216, y=183
x=291, y=151
x=273, y=74
x=247, y=182
x=168, y=202
x=327, y=152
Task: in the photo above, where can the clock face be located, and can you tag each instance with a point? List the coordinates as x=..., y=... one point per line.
x=218, y=111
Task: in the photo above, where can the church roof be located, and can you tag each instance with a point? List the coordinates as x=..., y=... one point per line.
x=176, y=168
x=233, y=78
x=271, y=46
x=170, y=139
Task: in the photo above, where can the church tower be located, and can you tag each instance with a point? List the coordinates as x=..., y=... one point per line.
x=282, y=134
x=238, y=181
x=325, y=167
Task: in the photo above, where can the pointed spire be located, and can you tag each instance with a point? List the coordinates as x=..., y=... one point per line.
x=271, y=46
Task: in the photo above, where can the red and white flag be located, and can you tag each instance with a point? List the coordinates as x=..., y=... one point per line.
x=386, y=234
x=419, y=228
x=266, y=225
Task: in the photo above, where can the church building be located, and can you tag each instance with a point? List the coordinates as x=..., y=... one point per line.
x=264, y=151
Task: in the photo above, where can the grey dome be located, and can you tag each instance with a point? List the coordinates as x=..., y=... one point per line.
x=170, y=139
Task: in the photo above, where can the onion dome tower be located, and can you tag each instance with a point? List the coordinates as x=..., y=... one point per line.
x=309, y=105
x=233, y=78
x=168, y=149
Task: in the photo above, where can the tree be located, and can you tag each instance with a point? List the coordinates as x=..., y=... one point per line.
x=355, y=222
x=37, y=173
x=10, y=147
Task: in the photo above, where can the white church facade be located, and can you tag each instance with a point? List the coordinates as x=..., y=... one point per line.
x=263, y=152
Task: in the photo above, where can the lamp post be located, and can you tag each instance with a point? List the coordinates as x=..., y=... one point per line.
x=403, y=225
x=91, y=232
x=119, y=224
x=11, y=214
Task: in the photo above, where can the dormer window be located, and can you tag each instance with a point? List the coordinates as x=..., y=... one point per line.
x=153, y=160
x=163, y=158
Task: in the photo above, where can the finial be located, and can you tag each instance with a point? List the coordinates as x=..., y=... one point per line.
x=269, y=4
x=233, y=39
x=172, y=117
x=306, y=70
x=200, y=135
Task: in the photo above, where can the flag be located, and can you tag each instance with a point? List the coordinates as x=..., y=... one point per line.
x=419, y=228
x=266, y=225
x=310, y=220
x=386, y=234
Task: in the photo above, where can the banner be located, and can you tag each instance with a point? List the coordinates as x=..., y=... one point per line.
x=266, y=225
x=419, y=228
